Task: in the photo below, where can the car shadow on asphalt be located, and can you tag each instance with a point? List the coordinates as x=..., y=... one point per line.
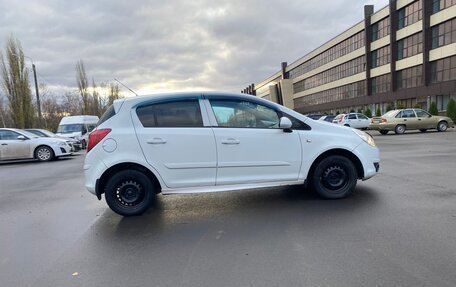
x=27, y=161
x=174, y=213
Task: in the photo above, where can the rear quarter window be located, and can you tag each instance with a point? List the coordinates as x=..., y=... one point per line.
x=171, y=114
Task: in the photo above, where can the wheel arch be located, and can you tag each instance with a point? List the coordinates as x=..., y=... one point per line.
x=341, y=152
x=102, y=181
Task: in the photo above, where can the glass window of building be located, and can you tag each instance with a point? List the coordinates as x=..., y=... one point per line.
x=380, y=56
x=444, y=34
x=410, y=14
x=380, y=29
x=410, y=77
x=438, y=5
x=410, y=46
x=443, y=70
x=380, y=84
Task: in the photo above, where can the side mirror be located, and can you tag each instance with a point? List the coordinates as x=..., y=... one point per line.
x=430, y=116
x=285, y=124
x=21, y=138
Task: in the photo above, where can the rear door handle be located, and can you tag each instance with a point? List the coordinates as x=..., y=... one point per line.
x=156, y=141
x=4, y=144
x=230, y=141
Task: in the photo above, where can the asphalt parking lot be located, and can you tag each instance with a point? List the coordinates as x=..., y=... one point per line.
x=398, y=229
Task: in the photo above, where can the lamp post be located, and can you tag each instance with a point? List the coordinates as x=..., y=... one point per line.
x=40, y=116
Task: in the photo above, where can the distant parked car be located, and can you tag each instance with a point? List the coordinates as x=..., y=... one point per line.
x=314, y=116
x=328, y=118
x=354, y=120
x=409, y=119
x=20, y=144
x=74, y=143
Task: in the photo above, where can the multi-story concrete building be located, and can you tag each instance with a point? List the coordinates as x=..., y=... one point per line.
x=403, y=55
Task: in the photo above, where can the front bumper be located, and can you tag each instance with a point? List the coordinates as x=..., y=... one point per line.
x=370, y=159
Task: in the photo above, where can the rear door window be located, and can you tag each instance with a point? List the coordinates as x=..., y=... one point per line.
x=185, y=113
x=352, y=117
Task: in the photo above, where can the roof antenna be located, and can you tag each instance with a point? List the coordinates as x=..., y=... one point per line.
x=126, y=87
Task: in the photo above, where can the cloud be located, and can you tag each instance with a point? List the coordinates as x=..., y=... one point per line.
x=176, y=44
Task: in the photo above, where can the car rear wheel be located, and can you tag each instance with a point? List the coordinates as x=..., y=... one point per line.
x=129, y=193
x=44, y=153
x=423, y=130
x=442, y=126
x=400, y=129
x=383, y=132
x=334, y=177
x=346, y=125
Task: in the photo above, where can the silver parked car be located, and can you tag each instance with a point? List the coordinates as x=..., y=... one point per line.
x=74, y=143
x=20, y=144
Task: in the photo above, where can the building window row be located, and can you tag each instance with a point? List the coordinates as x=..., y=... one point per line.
x=410, y=77
x=444, y=33
x=344, y=70
x=438, y=5
x=443, y=70
x=380, y=29
x=381, y=56
x=345, y=47
x=380, y=84
x=410, y=46
x=349, y=91
x=410, y=14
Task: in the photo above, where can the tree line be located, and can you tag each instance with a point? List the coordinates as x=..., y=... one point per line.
x=18, y=105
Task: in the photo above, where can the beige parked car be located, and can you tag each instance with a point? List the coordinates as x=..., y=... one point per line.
x=409, y=119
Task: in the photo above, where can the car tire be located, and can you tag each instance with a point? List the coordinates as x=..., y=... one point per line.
x=442, y=126
x=44, y=153
x=383, y=132
x=399, y=129
x=334, y=177
x=83, y=144
x=129, y=193
x=346, y=125
x=423, y=130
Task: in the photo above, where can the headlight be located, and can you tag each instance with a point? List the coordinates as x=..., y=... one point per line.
x=365, y=137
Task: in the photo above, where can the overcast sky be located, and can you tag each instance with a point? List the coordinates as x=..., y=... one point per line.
x=173, y=44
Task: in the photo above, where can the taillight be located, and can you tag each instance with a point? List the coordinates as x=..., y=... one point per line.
x=383, y=120
x=95, y=137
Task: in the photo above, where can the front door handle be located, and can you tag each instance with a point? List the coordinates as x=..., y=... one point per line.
x=4, y=144
x=230, y=141
x=405, y=120
x=156, y=141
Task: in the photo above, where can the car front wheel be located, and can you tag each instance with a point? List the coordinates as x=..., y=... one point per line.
x=44, y=153
x=129, y=193
x=334, y=177
x=442, y=126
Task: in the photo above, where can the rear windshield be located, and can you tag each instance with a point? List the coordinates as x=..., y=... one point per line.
x=110, y=112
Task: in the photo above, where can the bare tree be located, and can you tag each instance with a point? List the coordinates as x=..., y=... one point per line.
x=96, y=104
x=83, y=86
x=71, y=103
x=15, y=83
x=114, y=93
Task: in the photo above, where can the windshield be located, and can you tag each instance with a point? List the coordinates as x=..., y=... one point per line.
x=28, y=134
x=69, y=128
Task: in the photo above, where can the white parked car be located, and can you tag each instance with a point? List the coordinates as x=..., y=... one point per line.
x=354, y=120
x=20, y=144
x=210, y=142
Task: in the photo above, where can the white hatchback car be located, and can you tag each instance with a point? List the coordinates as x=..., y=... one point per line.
x=20, y=144
x=354, y=120
x=208, y=142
